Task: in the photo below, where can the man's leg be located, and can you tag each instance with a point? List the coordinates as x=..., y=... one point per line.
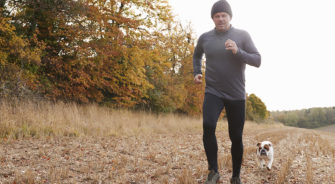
x=236, y=116
x=212, y=108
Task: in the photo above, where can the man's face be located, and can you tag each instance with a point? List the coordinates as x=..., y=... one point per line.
x=222, y=21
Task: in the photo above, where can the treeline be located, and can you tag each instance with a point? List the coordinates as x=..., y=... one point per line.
x=119, y=53
x=306, y=118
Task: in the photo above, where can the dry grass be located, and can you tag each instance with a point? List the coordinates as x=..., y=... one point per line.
x=332, y=177
x=284, y=171
x=309, y=172
x=185, y=177
x=224, y=161
x=26, y=119
x=68, y=143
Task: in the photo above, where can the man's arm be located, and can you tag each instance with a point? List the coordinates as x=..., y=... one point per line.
x=197, y=57
x=249, y=53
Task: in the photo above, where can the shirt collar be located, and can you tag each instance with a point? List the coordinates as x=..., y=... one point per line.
x=223, y=32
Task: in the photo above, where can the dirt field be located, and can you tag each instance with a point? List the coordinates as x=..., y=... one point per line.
x=158, y=149
x=330, y=128
x=301, y=156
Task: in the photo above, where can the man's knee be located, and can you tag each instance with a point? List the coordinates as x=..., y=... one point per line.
x=236, y=137
x=209, y=130
x=209, y=122
x=209, y=127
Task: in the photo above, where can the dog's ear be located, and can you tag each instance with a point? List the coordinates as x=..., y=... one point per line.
x=266, y=146
x=259, y=144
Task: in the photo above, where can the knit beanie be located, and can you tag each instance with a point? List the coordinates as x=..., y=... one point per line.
x=221, y=6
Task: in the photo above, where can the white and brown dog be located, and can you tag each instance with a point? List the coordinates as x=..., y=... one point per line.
x=265, y=153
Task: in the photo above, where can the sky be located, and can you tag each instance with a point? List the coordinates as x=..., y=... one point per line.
x=296, y=39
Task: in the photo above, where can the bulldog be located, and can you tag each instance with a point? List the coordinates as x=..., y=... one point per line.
x=265, y=154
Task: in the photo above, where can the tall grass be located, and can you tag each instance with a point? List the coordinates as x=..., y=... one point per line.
x=309, y=169
x=284, y=171
x=21, y=119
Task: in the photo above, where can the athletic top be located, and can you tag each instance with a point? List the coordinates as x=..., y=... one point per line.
x=224, y=73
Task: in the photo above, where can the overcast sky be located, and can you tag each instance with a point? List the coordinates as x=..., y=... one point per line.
x=296, y=39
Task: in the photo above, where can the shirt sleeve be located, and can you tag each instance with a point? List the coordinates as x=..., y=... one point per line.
x=197, y=57
x=248, y=53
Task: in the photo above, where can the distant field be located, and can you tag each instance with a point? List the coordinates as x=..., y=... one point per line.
x=330, y=128
x=68, y=143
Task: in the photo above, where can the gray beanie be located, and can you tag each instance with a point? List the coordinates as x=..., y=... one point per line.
x=221, y=6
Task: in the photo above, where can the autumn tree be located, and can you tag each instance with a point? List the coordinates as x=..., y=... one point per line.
x=104, y=51
x=120, y=53
x=17, y=59
x=57, y=24
x=255, y=108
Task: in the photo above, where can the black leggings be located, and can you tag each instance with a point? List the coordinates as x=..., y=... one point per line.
x=235, y=111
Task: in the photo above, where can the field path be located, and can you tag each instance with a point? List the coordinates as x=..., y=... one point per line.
x=301, y=157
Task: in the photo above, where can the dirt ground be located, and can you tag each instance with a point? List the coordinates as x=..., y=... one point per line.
x=301, y=156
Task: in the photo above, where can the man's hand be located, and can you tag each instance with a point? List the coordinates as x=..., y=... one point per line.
x=231, y=45
x=198, y=79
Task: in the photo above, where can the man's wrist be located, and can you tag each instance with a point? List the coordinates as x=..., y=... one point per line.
x=237, y=50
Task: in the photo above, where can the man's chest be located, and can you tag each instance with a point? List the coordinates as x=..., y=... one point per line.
x=214, y=46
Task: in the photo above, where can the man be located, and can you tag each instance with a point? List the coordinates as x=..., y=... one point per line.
x=227, y=52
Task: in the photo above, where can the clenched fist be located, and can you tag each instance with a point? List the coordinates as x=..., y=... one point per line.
x=231, y=45
x=198, y=79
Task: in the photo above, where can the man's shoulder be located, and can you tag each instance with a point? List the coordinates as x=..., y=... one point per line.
x=240, y=31
x=242, y=34
x=206, y=34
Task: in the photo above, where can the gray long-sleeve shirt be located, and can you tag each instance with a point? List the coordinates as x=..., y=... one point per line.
x=225, y=76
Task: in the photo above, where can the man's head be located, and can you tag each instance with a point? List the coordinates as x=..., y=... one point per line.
x=221, y=6
x=221, y=14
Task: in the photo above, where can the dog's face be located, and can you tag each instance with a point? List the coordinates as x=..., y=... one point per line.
x=263, y=148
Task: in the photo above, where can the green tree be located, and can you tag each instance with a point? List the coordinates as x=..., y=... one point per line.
x=306, y=118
